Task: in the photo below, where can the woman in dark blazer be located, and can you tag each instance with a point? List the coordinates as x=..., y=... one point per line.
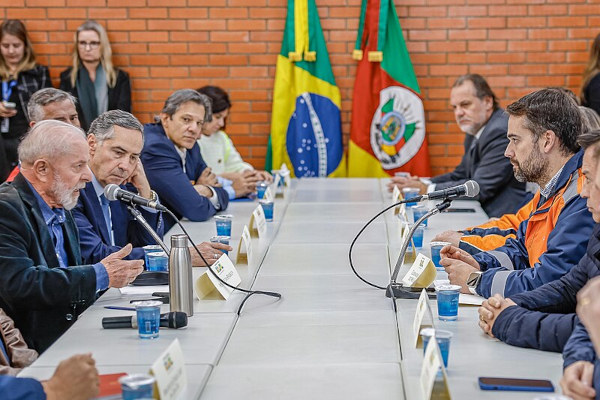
x=97, y=84
x=590, y=85
x=21, y=77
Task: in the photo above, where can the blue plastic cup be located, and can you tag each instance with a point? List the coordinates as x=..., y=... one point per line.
x=154, y=248
x=418, y=212
x=268, y=209
x=223, y=224
x=221, y=239
x=148, y=318
x=447, y=301
x=443, y=339
x=410, y=193
x=158, y=261
x=418, y=237
x=436, y=247
x=137, y=386
x=261, y=188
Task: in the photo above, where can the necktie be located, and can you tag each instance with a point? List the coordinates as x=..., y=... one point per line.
x=106, y=211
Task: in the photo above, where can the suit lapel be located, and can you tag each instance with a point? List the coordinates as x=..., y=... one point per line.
x=95, y=210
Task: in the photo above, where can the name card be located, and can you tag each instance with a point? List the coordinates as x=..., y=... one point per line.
x=258, y=223
x=268, y=194
x=244, y=250
x=432, y=362
x=207, y=286
x=169, y=372
x=411, y=253
x=423, y=309
x=396, y=197
x=421, y=274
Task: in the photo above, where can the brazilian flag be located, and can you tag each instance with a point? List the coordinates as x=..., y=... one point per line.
x=306, y=128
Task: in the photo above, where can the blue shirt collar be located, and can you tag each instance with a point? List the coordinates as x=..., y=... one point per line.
x=48, y=213
x=97, y=187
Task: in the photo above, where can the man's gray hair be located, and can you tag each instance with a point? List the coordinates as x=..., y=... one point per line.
x=182, y=96
x=42, y=98
x=103, y=127
x=49, y=139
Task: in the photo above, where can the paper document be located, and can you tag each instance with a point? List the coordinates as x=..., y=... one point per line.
x=133, y=290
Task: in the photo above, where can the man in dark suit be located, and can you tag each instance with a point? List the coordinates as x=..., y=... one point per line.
x=115, y=142
x=479, y=115
x=43, y=284
x=173, y=162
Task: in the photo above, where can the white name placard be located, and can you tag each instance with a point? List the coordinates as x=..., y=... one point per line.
x=268, y=196
x=208, y=286
x=432, y=362
x=169, y=372
x=421, y=274
x=423, y=308
x=244, y=250
x=258, y=223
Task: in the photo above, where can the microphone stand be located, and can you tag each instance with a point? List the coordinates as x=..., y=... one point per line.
x=397, y=290
x=138, y=216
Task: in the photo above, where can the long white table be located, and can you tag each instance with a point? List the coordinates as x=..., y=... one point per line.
x=330, y=336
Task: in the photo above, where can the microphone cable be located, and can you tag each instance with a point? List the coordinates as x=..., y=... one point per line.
x=411, y=200
x=248, y=292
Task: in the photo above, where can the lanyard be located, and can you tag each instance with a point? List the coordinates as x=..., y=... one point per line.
x=7, y=88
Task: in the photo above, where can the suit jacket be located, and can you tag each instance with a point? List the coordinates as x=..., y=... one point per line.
x=93, y=232
x=164, y=170
x=119, y=97
x=484, y=161
x=13, y=388
x=43, y=299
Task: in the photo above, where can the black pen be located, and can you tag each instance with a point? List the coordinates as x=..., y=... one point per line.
x=119, y=308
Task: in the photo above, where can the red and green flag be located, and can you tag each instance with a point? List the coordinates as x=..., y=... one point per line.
x=306, y=128
x=387, y=133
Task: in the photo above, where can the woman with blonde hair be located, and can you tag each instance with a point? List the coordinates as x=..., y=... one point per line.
x=590, y=86
x=93, y=79
x=21, y=77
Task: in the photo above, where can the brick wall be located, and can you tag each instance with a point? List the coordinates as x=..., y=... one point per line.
x=171, y=44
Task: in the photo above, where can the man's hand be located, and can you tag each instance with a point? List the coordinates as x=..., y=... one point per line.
x=458, y=273
x=207, y=178
x=75, y=378
x=403, y=182
x=245, y=183
x=588, y=310
x=139, y=180
x=489, y=311
x=577, y=381
x=7, y=112
x=458, y=254
x=210, y=251
x=452, y=237
x=122, y=272
x=264, y=176
x=203, y=190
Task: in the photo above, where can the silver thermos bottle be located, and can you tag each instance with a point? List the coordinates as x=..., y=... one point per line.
x=181, y=294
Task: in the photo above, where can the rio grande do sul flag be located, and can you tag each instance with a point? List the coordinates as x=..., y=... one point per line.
x=306, y=129
x=387, y=133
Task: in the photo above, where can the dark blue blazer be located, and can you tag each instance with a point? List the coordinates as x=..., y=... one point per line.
x=13, y=388
x=42, y=298
x=93, y=232
x=164, y=170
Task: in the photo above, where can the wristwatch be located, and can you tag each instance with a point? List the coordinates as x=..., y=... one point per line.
x=473, y=281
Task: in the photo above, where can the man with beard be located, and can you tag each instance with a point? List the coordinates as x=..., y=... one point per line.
x=43, y=286
x=116, y=139
x=479, y=115
x=543, y=128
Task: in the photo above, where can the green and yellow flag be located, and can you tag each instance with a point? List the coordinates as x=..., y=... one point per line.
x=306, y=129
x=387, y=133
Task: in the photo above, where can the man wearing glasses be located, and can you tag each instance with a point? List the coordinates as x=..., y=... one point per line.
x=173, y=163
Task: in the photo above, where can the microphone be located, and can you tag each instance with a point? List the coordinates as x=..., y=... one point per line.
x=173, y=319
x=114, y=192
x=468, y=189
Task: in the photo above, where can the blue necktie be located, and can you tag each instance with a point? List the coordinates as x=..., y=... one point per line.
x=106, y=211
x=58, y=238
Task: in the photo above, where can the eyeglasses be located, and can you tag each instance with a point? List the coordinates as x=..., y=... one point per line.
x=91, y=45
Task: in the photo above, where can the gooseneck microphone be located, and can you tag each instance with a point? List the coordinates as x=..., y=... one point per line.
x=467, y=189
x=114, y=192
x=173, y=319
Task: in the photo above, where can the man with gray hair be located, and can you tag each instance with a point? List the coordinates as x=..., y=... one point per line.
x=51, y=103
x=43, y=284
x=173, y=161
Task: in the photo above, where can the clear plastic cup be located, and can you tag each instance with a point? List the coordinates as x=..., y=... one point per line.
x=137, y=387
x=223, y=224
x=222, y=240
x=447, y=301
x=436, y=247
x=418, y=212
x=158, y=261
x=148, y=318
x=267, y=209
x=261, y=188
x=443, y=339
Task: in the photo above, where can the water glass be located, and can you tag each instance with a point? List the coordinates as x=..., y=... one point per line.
x=261, y=188
x=418, y=237
x=221, y=239
x=224, y=224
x=158, y=261
x=418, y=212
x=447, y=301
x=436, y=247
x=443, y=339
x=410, y=193
x=154, y=248
x=137, y=386
x=148, y=318
x=267, y=209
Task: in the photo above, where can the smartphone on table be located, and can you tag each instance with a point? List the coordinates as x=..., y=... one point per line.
x=516, y=384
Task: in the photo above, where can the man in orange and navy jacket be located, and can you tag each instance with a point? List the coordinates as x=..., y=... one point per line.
x=543, y=130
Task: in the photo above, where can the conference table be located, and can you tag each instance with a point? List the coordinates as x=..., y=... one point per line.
x=330, y=336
